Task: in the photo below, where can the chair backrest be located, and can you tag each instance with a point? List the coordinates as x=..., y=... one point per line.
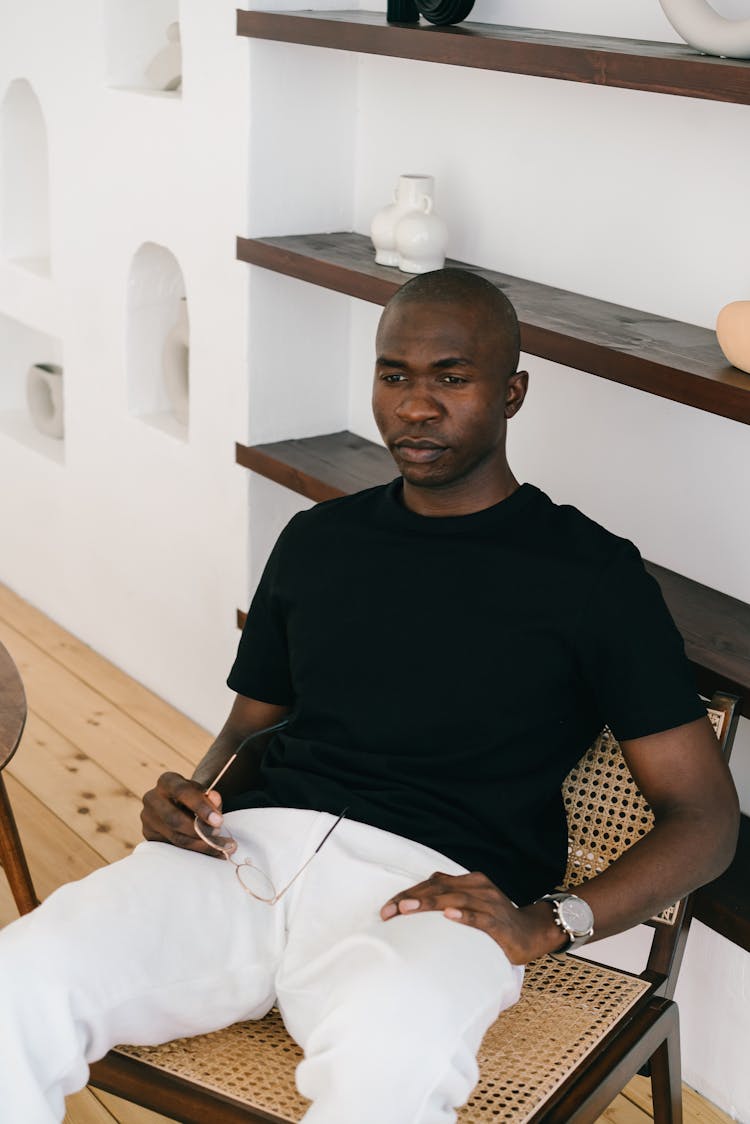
x=607, y=814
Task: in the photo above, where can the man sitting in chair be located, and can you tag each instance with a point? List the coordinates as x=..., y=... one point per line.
x=442, y=649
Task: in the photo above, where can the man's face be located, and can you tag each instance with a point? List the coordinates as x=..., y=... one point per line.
x=439, y=395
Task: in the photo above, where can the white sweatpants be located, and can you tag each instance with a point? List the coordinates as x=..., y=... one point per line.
x=164, y=944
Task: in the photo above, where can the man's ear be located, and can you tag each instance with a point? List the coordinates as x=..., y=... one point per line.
x=515, y=392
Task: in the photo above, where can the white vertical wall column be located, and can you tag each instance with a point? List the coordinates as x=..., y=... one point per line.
x=137, y=544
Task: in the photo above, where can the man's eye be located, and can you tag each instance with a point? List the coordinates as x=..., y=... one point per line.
x=453, y=380
x=392, y=377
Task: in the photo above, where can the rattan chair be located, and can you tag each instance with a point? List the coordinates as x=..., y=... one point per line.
x=12, y=722
x=579, y=1032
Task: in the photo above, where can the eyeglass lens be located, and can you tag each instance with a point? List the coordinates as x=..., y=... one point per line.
x=255, y=881
x=216, y=837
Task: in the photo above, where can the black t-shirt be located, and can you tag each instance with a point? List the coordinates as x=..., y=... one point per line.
x=445, y=674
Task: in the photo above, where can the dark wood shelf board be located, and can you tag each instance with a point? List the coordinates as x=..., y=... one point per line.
x=716, y=628
x=669, y=358
x=716, y=631
x=321, y=468
x=631, y=64
x=724, y=905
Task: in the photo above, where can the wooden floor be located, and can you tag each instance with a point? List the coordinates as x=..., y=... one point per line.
x=95, y=740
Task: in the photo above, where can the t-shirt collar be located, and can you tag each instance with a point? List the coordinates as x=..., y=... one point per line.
x=494, y=516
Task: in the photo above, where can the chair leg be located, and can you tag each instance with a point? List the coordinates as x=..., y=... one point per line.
x=666, y=1079
x=12, y=857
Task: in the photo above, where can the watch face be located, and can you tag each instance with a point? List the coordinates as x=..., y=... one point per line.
x=576, y=915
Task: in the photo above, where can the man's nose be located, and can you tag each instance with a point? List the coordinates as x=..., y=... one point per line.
x=418, y=406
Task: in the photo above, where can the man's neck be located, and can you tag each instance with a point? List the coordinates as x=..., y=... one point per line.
x=464, y=497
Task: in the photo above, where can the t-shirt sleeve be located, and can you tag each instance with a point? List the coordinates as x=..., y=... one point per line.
x=261, y=668
x=633, y=657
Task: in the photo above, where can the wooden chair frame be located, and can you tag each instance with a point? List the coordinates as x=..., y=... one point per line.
x=647, y=1035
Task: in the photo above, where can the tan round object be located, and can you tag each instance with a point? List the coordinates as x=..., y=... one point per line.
x=733, y=330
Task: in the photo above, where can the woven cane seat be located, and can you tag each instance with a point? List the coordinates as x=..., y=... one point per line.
x=253, y=1062
x=566, y=1008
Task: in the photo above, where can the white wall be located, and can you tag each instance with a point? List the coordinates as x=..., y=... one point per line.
x=144, y=544
x=136, y=543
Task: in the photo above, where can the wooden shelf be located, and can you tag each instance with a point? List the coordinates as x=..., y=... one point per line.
x=716, y=628
x=321, y=468
x=631, y=64
x=724, y=905
x=669, y=358
x=716, y=631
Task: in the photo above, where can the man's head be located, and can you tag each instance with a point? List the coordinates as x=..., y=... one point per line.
x=446, y=382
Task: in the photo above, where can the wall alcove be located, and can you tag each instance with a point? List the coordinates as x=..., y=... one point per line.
x=156, y=345
x=142, y=44
x=24, y=172
x=22, y=348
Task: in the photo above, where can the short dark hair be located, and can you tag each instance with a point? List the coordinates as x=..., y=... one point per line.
x=461, y=287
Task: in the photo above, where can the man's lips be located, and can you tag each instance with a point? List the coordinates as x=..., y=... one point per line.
x=418, y=451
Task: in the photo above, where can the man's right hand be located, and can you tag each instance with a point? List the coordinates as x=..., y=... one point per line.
x=169, y=812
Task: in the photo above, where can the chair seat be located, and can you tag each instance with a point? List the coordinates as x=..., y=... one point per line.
x=566, y=1009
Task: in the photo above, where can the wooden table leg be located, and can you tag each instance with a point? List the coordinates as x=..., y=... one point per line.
x=12, y=857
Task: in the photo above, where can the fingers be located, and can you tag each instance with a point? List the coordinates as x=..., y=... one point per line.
x=443, y=891
x=190, y=843
x=189, y=795
x=473, y=900
x=454, y=905
x=170, y=810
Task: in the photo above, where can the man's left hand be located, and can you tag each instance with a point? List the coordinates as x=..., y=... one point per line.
x=471, y=899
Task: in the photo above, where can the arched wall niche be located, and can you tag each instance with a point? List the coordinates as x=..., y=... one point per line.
x=24, y=175
x=157, y=340
x=142, y=45
x=22, y=348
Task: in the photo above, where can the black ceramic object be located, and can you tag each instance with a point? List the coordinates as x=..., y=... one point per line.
x=435, y=11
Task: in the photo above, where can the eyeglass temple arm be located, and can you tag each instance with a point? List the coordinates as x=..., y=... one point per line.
x=312, y=856
x=220, y=774
x=330, y=829
x=245, y=741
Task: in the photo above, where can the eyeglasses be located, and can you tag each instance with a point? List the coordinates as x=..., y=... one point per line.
x=251, y=878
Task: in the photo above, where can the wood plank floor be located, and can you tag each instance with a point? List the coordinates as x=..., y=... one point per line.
x=94, y=742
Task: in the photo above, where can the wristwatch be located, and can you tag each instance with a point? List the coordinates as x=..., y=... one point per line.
x=574, y=917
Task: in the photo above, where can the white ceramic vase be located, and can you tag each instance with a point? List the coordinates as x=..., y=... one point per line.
x=164, y=72
x=733, y=330
x=44, y=396
x=421, y=240
x=702, y=27
x=407, y=197
x=176, y=365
